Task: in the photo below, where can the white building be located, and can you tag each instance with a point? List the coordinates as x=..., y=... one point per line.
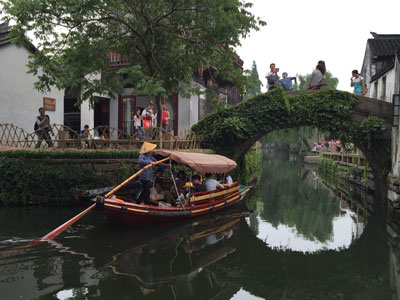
x=20, y=101
x=18, y=98
x=381, y=70
x=381, y=66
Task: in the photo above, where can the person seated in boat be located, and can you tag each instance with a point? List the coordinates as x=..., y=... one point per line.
x=197, y=183
x=228, y=179
x=158, y=194
x=180, y=181
x=188, y=189
x=210, y=183
x=158, y=177
x=147, y=176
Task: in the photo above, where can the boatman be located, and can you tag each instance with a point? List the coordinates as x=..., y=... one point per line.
x=147, y=176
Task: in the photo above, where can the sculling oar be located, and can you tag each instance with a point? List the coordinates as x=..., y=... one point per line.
x=110, y=193
x=51, y=235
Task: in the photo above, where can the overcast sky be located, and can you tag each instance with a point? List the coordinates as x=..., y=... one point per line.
x=299, y=33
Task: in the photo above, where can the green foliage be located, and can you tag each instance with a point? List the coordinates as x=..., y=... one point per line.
x=70, y=154
x=327, y=166
x=24, y=182
x=253, y=82
x=36, y=177
x=250, y=167
x=330, y=111
x=290, y=136
x=165, y=41
x=369, y=129
x=292, y=198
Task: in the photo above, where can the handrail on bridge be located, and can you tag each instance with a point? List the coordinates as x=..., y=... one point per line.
x=100, y=137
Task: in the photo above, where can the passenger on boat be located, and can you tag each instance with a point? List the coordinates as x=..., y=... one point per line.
x=146, y=177
x=158, y=177
x=196, y=182
x=180, y=181
x=210, y=183
x=228, y=179
x=188, y=188
x=158, y=194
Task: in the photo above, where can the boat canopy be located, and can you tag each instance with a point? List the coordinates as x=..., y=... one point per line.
x=200, y=162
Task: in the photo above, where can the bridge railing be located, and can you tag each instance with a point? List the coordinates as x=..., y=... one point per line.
x=101, y=137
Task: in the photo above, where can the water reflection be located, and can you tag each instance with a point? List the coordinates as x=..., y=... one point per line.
x=165, y=262
x=229, y=255
x=299, y=212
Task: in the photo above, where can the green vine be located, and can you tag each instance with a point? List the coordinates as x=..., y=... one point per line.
x=37, y=182
x=330, y=111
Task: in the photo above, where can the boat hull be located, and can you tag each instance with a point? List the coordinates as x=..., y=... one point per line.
x=130, y=213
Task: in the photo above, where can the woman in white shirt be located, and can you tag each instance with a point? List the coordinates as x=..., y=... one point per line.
x=137, y=123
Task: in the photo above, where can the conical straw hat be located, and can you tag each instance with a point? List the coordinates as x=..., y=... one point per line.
x=147, y=147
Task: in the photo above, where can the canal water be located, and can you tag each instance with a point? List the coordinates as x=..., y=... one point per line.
x=295, y=237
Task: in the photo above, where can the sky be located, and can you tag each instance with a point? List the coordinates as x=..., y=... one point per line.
x=299, y=33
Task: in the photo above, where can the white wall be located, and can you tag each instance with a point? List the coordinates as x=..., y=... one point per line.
x=390, y=86
x=392, y=78
x=188, y=112
x=114, y=112
x=87, y=115
x=19, y=100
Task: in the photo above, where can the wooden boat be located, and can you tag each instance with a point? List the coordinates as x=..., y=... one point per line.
x=202, y=203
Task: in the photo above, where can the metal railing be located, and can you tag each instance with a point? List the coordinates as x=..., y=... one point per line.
x=101, y=137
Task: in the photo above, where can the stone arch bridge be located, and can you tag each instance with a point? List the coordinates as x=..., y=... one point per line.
x=364, y=121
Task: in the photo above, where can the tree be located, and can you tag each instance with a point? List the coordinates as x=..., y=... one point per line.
x=164, y=41
x=304, y=79
x=253, y=82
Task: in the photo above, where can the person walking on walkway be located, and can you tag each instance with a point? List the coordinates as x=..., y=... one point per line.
x=165, y=117
x=357, y=81
x=148, y=117
x=137, y=124
x=42, y=129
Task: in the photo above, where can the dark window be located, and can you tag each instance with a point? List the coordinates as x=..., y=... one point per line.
x=383, y=62
x=383, y=94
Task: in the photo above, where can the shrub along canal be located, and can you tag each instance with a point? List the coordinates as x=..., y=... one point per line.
x=292, y=238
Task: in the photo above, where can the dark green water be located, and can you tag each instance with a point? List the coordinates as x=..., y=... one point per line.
x=294, y=239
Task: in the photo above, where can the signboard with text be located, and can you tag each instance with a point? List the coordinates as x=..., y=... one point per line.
x=49, y=104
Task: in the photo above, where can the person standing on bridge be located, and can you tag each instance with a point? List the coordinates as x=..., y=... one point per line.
x=357, y=81
x=272, y=76
x=316, y=77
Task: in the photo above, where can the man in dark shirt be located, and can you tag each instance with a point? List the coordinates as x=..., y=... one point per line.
x=43, y=128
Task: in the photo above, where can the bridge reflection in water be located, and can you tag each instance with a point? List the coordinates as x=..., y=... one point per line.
x=298, y=241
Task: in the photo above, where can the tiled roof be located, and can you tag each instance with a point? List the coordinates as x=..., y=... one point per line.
x=384, y=44
x=4, y=31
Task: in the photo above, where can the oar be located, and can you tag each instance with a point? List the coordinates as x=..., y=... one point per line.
x=51, y=235
x=134, y=176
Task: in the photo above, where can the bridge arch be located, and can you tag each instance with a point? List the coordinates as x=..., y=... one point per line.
x=363, y=121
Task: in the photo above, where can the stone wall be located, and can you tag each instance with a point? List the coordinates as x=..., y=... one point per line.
x=394, y=202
